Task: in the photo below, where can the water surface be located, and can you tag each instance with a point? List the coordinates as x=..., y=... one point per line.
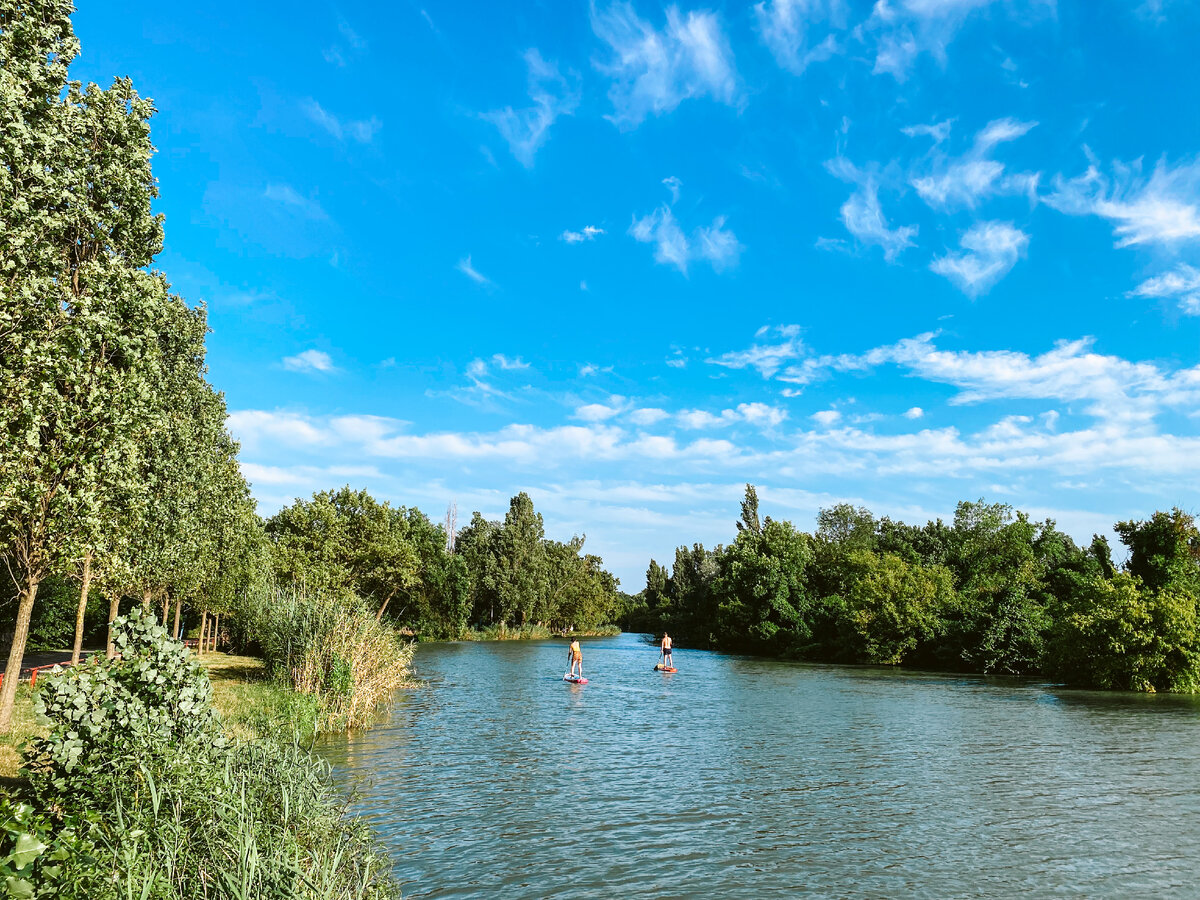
x=743, y=777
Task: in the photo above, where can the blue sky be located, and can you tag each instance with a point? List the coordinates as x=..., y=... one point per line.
x=628, y=257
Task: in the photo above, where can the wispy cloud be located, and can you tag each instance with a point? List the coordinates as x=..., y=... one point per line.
x=653, y=70
x=310, y=361
x=902, y=30
x=361, y=130
x=714, y=244
x=787, y=26
x=765, y=358
x=863, y=215
x=288, y=196
x=990, y=250
x=964, y=181
x=467, y=268
x=349, y=44
x=553, y=96
x=587, y=233
x=1183, y=284
x=1162, y=208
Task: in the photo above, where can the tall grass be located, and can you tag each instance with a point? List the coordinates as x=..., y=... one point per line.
x=331, y=648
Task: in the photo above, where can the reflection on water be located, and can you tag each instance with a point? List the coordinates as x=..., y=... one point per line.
x=746, y=778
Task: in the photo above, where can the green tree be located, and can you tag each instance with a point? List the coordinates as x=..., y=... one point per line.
x=1116, y=634
x=891, y=607
x=78, y=305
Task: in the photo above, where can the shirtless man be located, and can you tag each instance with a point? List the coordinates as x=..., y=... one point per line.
x=575, y=655
x=666, y=650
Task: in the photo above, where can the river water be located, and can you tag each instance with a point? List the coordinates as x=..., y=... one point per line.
x=742, y=777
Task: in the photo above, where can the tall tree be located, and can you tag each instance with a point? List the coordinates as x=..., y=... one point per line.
x=78, y=306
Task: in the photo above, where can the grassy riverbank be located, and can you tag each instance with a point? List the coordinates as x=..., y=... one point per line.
x=533, y=633
x=157, y=777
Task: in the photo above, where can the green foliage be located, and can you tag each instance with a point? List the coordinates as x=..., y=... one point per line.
x=891, y=607
x=142, y=795
x=1118, y=634
x=331, y=648
x=993, y=592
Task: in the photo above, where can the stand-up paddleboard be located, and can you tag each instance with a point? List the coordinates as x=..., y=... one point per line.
x=661, y=668
x=574, y=679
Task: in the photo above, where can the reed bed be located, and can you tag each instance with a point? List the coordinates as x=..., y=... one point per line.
x=331, y=648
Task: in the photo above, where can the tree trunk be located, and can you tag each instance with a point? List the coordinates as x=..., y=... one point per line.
x=178, y=607
x=114, y=607
x=85, y=585
x=200, y=642
x=146, y=596
x=166, y=608
x=216, y=633
x=379, y=615
x=16, y=655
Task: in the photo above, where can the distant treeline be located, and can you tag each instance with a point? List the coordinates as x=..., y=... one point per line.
x=494, y=573
x=992, y=592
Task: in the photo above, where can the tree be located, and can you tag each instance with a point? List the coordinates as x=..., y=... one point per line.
x=761, y=589
x=1164, y=549
x=78, y=306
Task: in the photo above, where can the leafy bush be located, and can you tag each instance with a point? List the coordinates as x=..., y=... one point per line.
x=141, y=795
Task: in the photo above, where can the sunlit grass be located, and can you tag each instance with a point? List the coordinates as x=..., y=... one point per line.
x=252, y=705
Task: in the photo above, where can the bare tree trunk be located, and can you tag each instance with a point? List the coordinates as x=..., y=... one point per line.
x=216, y=633
x=16, y=654
x=178, y=607
x=379, y=615
x=146, y=597
x=200, y=643
x=85, y=585
x=166, y=607
x=114, y=607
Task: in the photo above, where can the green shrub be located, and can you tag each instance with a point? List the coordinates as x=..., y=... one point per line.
x=141, y=795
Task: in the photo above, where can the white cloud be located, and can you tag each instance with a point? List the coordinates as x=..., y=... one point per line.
x=526, y=130
x=465, y=266
x=589, y=369
x=714, y=244
x=902, y=30
x=596, y=412
x=309, y=361
x=786, y=28
x=361, y=130
x=938, y=131
x=826, y=417
x=962, y=182
x=653, y=71
x=760, y=415
x=990, y=250
x=648, y=415
x=1163, y=208
x=673, y=185
x=914, y=412
x=863, y=217
x=587, y=233
x=678, y=362
x=1182, y=284
x=767, y=359
x=290, y=197
x=509, y=364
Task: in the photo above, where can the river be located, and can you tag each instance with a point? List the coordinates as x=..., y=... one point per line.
x=741, y=777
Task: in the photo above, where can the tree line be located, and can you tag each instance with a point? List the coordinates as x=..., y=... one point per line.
x=993, y=592
x=493, y=573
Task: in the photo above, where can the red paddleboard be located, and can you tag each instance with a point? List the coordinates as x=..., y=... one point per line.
x=661, y=668
x=574, y=679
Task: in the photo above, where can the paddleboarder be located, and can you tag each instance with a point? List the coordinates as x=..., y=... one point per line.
x=666, y=650
x=575, y=655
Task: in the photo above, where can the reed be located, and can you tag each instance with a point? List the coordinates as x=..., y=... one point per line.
x=331, y=648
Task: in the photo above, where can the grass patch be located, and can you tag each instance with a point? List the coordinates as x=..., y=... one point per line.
x=252, y=705
x=24, y=727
